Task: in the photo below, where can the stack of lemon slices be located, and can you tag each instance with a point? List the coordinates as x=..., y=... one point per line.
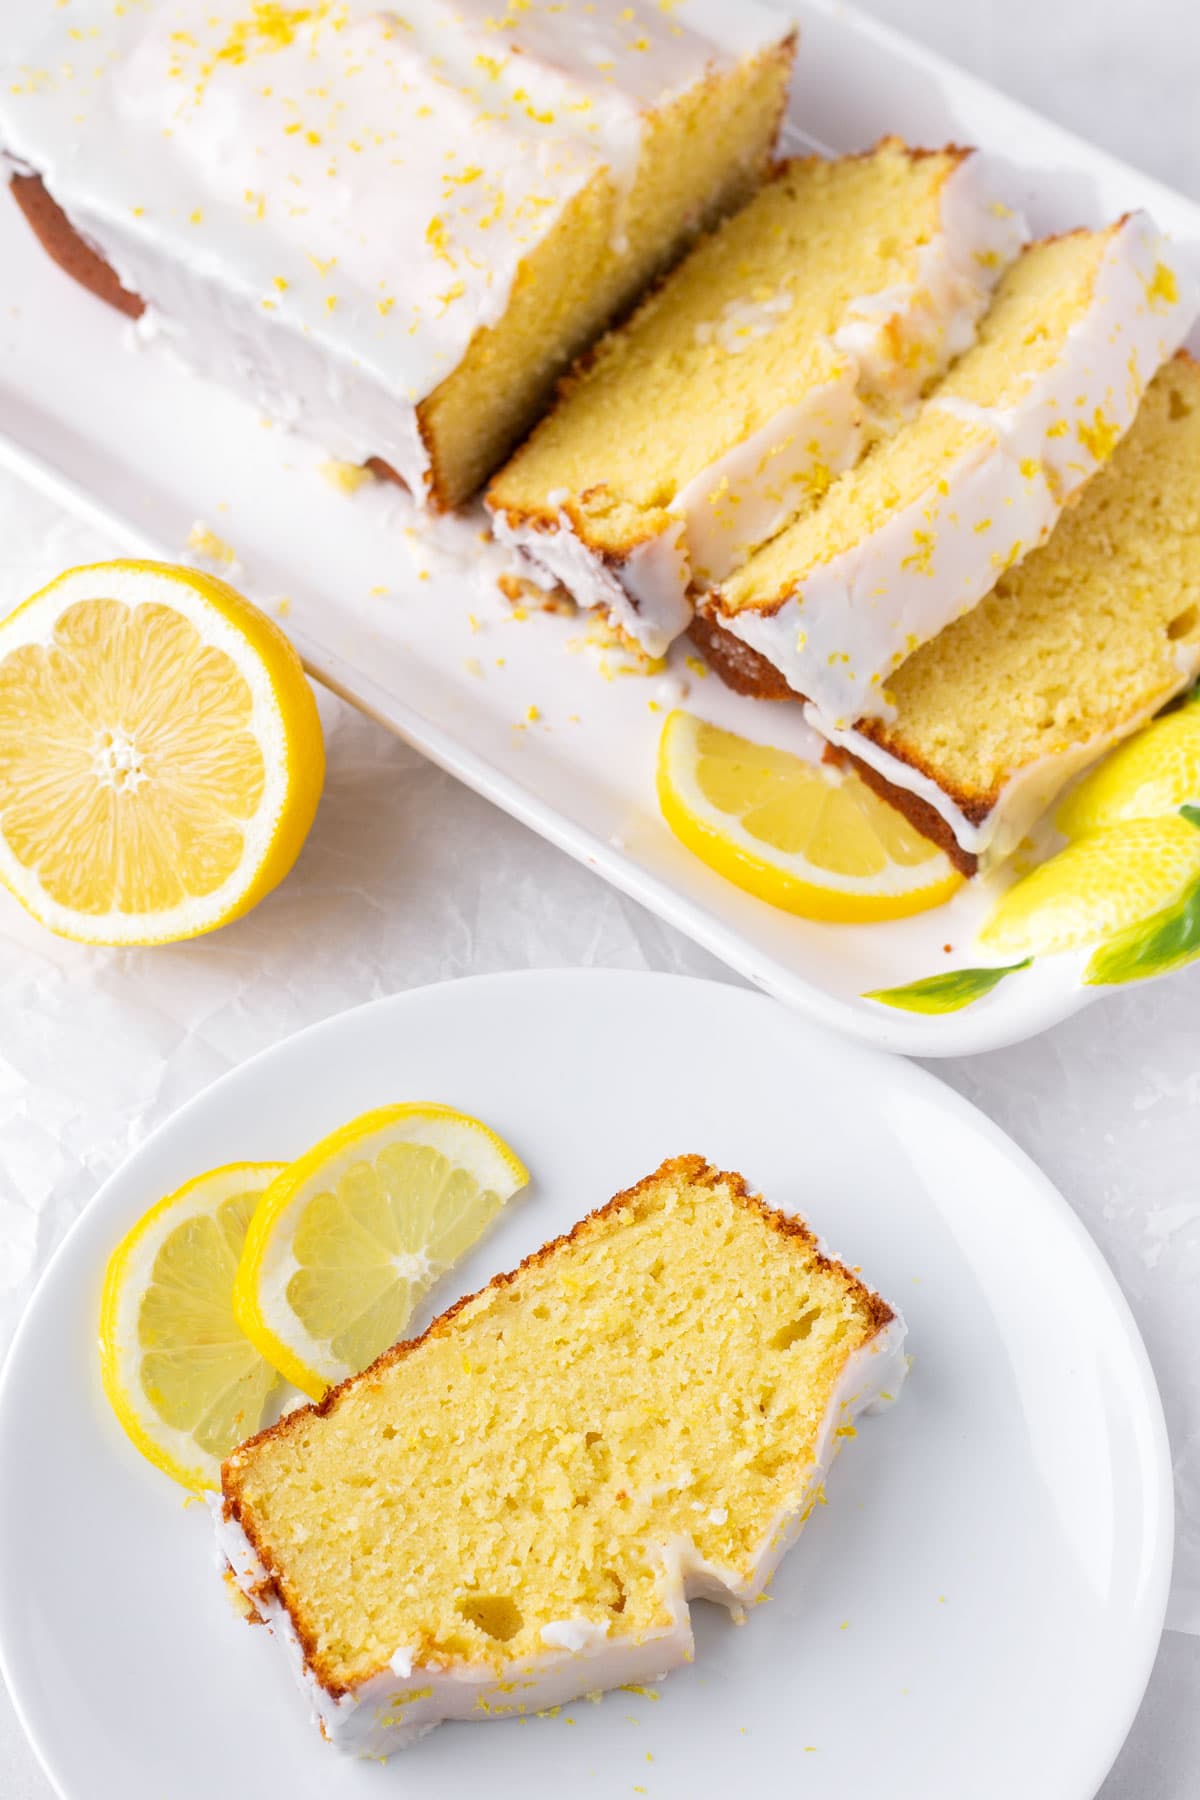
x=259, y=1273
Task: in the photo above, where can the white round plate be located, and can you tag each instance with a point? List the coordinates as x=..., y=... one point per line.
x=974, y=1613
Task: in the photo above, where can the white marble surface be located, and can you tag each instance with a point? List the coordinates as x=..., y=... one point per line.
x=409, y=878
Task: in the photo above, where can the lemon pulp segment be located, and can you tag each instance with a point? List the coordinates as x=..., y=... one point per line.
x=353, y=1234
x=160, y=753
x=803, y=836
x=182, y=1378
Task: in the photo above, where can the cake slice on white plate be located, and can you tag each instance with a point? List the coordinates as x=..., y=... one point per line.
x=515, y=1508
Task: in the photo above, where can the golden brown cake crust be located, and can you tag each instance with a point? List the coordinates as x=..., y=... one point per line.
x=69, y=248
x=544, y=517
x=747, y=672
x=740, y=667
x=920, y=815
x=691, y=1168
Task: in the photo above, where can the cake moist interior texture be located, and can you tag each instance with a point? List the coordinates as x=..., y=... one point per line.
x=694, y=432
x=514, y=1506
x=1069, y=653
x=973, y=480
x=374, y=224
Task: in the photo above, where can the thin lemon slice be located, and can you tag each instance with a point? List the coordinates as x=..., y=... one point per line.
x=1155, y=772
x=160, y=754
x=803, y=836
x=184, y=1381
x=1101, y=884
x=351, y=1236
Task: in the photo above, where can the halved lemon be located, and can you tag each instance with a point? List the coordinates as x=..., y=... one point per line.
x=1153, y=773
x=161, y=756
x=350, y=1236
x=804, y=836
x=1101, y=884
x=184, y=1381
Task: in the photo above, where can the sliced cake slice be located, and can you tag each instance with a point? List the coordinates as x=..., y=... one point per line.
x=1069, y=654
x=738, y=389
x=392, y=229
x=917, y=534
x=515, y=1508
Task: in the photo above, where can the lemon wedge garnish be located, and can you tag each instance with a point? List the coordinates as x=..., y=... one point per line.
x=1101, y=884
x=803, y=836
x=1153, y=773
x=184, y=1381
x=160, y=754
x=353, y=1234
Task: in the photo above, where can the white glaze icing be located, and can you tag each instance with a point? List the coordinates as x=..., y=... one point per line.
x=644, y=593
x=405, y=1701
x=857, y=616
x=889, y=346
x=744, y=497
x=1027, y=793
x=321, y=205
x=905, y=334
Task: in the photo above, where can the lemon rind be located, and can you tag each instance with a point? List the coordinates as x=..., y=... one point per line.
x=286, y=722
x=263, y=1237
x=730, y=852
x=204, y=1474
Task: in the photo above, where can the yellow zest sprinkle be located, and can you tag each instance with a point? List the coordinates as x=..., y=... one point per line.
x=1100, y=438
x=1163, y=287
x=921, y=558
x=205, y=542
x=437, y=237
x=347, y=477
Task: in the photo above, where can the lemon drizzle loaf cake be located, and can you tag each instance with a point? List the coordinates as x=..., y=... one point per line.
x=1069, y=654
x=917, y=534
x=515, y=1508
x=696, y=431
x=372, y=220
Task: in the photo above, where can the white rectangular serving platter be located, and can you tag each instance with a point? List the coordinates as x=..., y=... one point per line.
x=524, y=710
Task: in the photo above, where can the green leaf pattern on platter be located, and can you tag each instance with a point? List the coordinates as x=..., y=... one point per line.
x=1154, y=946
x=1166, y=940
x=945, y=993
